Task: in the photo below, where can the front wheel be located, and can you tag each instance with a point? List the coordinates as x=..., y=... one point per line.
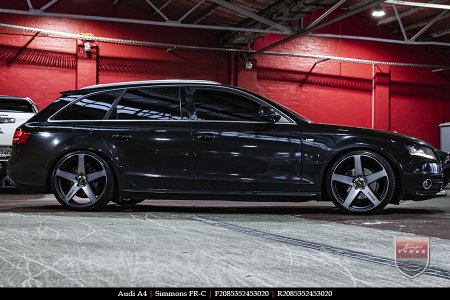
x=361, y=182
x=82, y=180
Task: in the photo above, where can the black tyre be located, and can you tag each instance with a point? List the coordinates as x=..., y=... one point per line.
x=361, y=182
x=83, y=181
x=124, y=201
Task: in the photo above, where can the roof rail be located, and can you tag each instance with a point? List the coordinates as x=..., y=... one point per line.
x=166, y=81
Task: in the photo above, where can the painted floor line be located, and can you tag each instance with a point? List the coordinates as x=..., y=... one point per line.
x=436, y=272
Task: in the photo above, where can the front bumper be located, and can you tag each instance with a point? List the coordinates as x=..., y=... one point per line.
x=423, y=186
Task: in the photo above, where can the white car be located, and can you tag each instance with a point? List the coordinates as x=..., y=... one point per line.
x=14, y=111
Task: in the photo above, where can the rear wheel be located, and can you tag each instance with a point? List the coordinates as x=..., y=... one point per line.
x=361, y=182
x=82, y=180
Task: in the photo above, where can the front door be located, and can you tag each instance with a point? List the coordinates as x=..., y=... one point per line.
x=235, y=150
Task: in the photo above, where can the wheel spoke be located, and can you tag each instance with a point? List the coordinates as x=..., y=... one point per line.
x=358, y=165
x=343, y=179
x=81, y=168
x=375, y=176
x=371, y=196
x=66, y=175
x=71, y=193
x=350, y=197
x=96, y=175
x=88, y=191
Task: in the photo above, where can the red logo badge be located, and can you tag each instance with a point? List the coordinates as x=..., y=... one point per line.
x=412, y=255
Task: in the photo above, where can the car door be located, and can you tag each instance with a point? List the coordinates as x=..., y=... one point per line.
x=150, y=139
x=235, y=150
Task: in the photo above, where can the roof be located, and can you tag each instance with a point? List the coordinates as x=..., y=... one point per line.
x=147, y=82
x=15, y=98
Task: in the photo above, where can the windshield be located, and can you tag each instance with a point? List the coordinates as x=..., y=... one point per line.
x=16, y=105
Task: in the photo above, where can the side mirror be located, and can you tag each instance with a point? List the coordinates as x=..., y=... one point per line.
x=269, y=114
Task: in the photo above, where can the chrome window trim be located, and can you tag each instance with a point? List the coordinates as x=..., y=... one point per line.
x=199, y=121
x=124, y=89
x=51, y=120
x=179, y=85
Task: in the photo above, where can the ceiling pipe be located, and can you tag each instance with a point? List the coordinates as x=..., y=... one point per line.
x=215, y=49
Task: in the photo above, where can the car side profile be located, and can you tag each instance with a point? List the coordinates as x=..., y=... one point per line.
x=126, y=142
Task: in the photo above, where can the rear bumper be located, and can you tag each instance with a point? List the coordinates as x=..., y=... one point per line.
x=18, y=170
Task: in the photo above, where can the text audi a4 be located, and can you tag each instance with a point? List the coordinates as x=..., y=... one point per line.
x=186, y=139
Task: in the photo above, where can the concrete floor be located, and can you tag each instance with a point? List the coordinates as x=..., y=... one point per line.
x=214, y=244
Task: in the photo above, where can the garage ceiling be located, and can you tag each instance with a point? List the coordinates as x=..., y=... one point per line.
x=415, y=18
x=241, y=22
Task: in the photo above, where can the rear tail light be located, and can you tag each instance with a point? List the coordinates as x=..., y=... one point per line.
x=20, y=136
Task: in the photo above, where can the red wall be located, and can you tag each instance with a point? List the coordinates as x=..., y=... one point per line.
x=411, y=101
x=42, y=67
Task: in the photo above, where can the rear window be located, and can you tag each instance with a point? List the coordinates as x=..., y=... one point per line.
x=92, y=107
x=16, y=105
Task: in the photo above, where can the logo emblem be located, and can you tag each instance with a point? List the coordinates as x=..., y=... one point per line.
x=81, y=181
x=412, y=255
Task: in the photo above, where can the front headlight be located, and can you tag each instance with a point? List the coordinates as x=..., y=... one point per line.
x=421, y=151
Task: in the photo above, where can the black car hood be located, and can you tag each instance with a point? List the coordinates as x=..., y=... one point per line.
x=407, y=140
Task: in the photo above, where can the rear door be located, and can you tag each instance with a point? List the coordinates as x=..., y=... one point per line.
x=149, y=137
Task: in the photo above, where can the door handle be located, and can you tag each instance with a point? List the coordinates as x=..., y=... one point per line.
x=207, y=137
x=122, y=137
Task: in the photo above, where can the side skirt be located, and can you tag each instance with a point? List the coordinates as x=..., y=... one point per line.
x=221, y=195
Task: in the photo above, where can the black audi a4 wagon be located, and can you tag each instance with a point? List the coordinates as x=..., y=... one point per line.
x=130, y=141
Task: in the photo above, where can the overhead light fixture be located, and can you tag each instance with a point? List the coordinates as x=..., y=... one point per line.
x=378, y=12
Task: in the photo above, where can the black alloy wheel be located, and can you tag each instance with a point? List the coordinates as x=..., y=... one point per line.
x=82, y=180
x=361, y=182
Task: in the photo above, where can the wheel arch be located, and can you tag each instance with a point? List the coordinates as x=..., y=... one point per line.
x=391, y=160
x=67, y=151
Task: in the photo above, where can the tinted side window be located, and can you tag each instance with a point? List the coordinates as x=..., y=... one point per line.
x=159, y=103
x=53, y=107
x=93, y=107
x=222, y=105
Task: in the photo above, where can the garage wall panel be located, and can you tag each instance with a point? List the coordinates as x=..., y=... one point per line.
x=320, y=104
x=42, y=67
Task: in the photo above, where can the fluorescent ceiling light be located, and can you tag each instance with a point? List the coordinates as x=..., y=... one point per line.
x=418, y=4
